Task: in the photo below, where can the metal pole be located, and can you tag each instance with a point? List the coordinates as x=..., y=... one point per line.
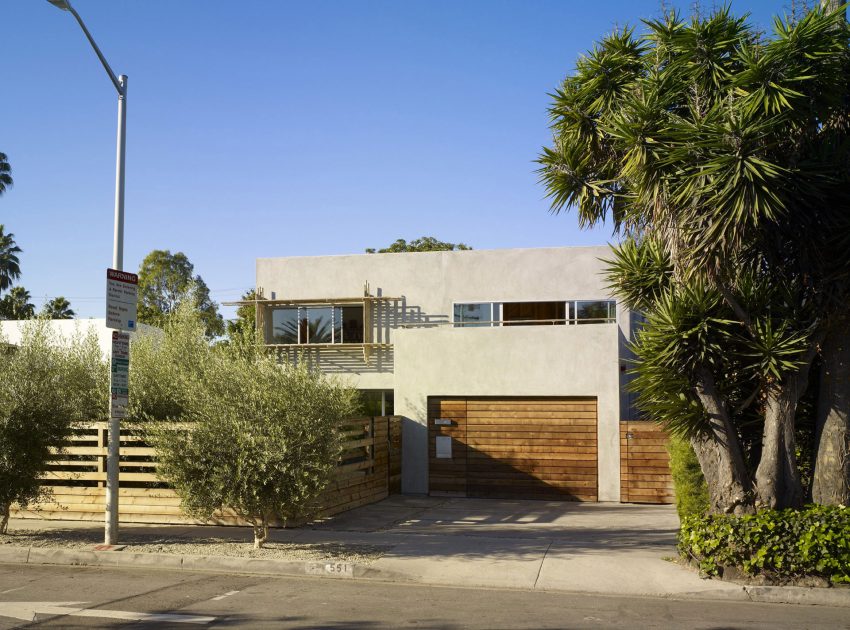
x=111, y=525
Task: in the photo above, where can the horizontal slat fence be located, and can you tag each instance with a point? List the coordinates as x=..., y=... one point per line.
x=644, y=464
x=77, y=476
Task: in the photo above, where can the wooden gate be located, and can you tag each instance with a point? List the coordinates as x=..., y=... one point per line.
x=644, y=464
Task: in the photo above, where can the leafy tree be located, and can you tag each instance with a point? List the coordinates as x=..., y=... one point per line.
x=16, y=304
x=165, y=281
x=258, y=438
x=5, y=173
x=721, y=157
x=246, y=315
x=58, y=308
x=163, y=367
x=46, y=386
x=423, y=244
x=10, y=265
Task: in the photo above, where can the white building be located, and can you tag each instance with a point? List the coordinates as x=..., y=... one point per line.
x=13, y=330
x=503, y=391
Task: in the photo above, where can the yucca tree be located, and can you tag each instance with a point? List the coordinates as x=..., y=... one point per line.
x=58, y=308
x=5, y=173
x=10, y=265
x=721, y=155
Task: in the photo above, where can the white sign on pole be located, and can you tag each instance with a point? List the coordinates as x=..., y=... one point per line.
x=120, y=382
x=121, y=299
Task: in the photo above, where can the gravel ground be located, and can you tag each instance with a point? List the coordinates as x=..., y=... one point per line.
x=150, y=543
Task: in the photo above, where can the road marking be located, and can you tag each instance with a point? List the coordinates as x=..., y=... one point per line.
x=28, y=610
x=12, y=590
x=221, y=597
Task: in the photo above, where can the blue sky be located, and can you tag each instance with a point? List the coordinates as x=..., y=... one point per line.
x=273, y=128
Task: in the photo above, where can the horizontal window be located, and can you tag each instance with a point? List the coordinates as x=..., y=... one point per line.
x=598, y=312
x=317, y=325
x=549, y=313
x=477, y=314
x=534, y=313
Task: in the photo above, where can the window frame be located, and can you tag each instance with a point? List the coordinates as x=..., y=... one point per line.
x=302, y=312
x=570, y=310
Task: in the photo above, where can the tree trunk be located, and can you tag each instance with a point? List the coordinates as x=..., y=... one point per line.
x=4, y=517
x=720, y=455
x=261, y=534
x=777, y=477
x=831, y=484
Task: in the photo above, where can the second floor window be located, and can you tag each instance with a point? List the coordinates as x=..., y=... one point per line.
x=549, y=313
x=317, y=325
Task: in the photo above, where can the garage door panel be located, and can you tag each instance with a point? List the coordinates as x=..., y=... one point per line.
x=517, y=447
x=552, y=424
x=525, y=403
x=530, y=414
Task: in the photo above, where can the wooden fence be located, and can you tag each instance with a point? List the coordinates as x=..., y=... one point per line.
x=644, y=464
x=369, y=467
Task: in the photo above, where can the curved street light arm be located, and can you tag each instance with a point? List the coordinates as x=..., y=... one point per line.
x=99, y=54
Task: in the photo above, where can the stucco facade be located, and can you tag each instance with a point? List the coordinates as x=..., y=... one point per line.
x=417, y=352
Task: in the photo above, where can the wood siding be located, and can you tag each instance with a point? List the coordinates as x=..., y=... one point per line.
x=447, y=476
x=368, y=466
x=515, y=447
x=644, y=464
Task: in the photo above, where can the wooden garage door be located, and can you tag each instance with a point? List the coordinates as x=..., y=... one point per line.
x=516, y=448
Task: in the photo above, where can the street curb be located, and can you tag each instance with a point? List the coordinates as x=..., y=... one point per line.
x=836, y=597
x=210, y=564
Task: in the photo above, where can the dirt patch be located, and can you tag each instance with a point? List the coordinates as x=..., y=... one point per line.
x=153, y=543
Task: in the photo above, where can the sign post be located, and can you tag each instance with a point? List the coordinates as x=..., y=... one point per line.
x=121, y=302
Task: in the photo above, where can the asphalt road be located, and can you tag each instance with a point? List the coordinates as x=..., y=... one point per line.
x=115, y=598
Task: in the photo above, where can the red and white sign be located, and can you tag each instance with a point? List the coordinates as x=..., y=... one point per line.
x=121, y=299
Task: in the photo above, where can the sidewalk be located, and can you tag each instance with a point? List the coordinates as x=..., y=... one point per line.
x=577, y=547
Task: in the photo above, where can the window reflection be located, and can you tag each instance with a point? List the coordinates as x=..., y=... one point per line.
x=480, y=314
x=317, y=324
x=595, y=312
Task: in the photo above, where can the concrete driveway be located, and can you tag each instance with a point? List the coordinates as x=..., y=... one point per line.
x=586, y=547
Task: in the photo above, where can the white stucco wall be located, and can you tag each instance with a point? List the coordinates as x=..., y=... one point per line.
x=13, y=330
x=431, y=282
x=508, y=361
x=442, y=360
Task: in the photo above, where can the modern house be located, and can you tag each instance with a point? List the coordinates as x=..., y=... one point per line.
x=507, y=366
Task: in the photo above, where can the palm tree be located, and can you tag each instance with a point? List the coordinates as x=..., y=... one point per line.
x=16, y=305
x=10, y=269
x=5, y=173
x=58, y=308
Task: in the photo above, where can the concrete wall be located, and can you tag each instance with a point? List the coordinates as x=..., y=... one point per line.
x=508, y=361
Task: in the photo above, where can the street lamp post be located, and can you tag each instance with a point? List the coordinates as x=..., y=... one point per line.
x=120, y=83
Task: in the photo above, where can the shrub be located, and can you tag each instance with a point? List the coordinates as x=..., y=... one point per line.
x=47, y=384
x=688, y=480
x=162, y=366
x=256, y=437
x=780, y=545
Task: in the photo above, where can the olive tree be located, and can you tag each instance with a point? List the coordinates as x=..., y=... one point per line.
x=47, y=384
x=254, y=436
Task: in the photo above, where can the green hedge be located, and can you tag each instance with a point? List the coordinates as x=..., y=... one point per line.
x=688, y=480
x=780, y=545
